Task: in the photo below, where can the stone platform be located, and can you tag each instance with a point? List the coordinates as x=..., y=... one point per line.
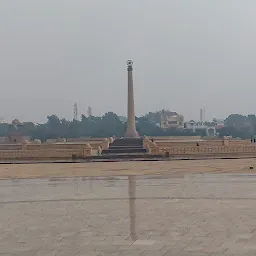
x=127, y=146
x=201, y=208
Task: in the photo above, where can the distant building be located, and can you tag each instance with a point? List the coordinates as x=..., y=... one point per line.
x=220, y=123
x=15, y=132
x=2, y=121
x=195, y=126
x=171, y=119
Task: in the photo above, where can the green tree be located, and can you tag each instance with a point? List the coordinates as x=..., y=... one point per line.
x=3, y=130
x=235, y=120
x=154, y=117
x=147, y=127
x=109, y=125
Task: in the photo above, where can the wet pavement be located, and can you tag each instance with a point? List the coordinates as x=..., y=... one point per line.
x=179, y=214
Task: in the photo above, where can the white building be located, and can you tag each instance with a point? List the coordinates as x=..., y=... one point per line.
x=2, y=121
x=194, y=126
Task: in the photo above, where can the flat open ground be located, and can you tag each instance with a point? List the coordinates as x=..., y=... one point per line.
x=125, y=168
x=179, y=208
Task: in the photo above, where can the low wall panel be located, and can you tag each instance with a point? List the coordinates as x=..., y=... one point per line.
x=63, y=146
x=41, y=154
x=208, y=150
x=202, y=143
x=11, y=146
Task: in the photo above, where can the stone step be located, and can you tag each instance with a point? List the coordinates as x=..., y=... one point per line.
x=121, y=147
x=127, y=142
x=125, y=146
x=131, y=156
x=124, y=150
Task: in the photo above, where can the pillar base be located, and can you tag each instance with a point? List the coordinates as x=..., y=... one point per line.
x=131, y=134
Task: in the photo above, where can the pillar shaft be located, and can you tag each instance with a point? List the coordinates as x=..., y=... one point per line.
x=131, y=127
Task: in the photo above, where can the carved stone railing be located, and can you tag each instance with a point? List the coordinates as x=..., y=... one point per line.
x=197, y=150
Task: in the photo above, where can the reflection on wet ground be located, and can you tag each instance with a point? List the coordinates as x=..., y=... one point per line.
x=190, y=214
x=132, y=209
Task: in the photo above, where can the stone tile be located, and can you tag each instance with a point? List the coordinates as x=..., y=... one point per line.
x=109, y=253
x=250, y=246
x=97, y=238
x=67, y=234
x=191, y=254
x=153, y=253
x=111, y=242
x=46, y=253
x=18, y=252
x=113, y=238
x=144, y=242
x=100, y=247
x=130, y=253
x=67, y=252
x=88, y=253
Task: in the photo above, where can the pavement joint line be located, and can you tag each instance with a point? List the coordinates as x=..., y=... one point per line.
x=174, y=158
x=118, y=199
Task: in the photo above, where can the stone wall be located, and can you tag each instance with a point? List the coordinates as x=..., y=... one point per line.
x=207, y=150
x=84, y=139
x=206, y=147
x=44, y=151
x=202, y=143
x=10, y=146
x=54, y=146
x=168, y=138
x=59, y=150
x=46, y=146
x=39, y=154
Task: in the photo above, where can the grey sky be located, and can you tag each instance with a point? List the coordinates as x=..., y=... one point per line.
x=187, y=54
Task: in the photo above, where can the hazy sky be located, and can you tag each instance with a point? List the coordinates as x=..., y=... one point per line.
x=187, y=54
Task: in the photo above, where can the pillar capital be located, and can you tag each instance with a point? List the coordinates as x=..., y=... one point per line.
x=129, y=65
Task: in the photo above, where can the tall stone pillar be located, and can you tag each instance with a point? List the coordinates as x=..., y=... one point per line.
x=131, y=127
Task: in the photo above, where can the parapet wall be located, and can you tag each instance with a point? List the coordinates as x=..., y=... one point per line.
x=58, y=150
x=44, y=151
x=42, y=154
x=49, y=146
x=208, y=150
x=10, y=146
x=93, y=143
x=62, y=146
x=202, y=143
x=162, y=147
x=199, y=147
x=168, y=138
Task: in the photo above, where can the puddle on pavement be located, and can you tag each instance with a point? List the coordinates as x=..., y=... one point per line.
x=111, y=180
x=130, y=182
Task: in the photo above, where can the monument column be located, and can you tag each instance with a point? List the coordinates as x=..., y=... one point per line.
x=131, y=127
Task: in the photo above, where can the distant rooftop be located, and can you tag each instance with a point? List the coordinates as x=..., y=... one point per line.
x=16, y=122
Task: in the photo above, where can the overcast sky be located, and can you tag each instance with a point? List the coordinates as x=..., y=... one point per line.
x=186, y=53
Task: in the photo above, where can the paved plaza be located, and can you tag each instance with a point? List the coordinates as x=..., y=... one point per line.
x=175, y=211
x=46, y=170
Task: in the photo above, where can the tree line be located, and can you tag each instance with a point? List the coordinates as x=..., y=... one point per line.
x=110, y=124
